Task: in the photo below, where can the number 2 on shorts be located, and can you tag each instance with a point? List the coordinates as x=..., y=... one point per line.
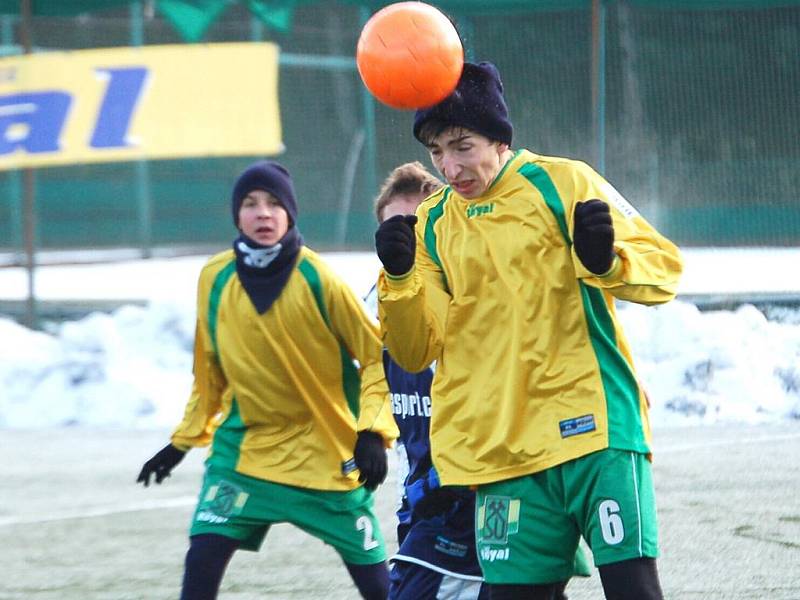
x=364, y=524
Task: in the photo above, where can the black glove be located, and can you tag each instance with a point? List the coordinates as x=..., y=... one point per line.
x=593, y=235
x=428, y=498
x=370, y=457
x=161, y=464
x=396, y=243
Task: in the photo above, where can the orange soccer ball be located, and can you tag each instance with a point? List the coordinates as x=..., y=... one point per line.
x=409, y=55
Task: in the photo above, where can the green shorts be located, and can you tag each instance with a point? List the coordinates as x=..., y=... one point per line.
x=243, y=508
x=528, y=528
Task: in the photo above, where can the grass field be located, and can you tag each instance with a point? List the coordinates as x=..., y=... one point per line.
x=75, y=526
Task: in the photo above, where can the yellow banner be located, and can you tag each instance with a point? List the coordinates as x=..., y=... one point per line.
x=148, y=102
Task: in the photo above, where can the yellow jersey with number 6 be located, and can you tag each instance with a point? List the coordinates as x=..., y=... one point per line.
x=533, y=367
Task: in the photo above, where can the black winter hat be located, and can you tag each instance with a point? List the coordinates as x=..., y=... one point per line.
x=477, y=103
x=268, y=176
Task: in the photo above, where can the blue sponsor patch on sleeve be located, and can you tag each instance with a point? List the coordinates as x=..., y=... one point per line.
x=577, y=426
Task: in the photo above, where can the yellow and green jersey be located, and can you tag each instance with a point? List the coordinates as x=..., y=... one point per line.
x=533, y=369
x=277, y=394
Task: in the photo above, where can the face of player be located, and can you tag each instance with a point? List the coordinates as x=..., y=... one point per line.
x=467, y=160
x=402, y=204
x=262, y=218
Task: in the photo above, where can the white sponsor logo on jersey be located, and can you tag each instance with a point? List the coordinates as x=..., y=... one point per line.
x=618, y=202
x=411, y=405
x=210, y=517
x=493, y=554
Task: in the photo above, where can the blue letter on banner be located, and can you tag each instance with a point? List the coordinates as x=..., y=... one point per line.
x=124, y=87
x=32, y=121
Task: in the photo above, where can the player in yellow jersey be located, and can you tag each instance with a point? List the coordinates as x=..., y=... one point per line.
x=295, y=428
x=508, y=277
x=436, y=528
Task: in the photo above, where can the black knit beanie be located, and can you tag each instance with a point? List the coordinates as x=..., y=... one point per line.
x=270, y=177
x=477, y=104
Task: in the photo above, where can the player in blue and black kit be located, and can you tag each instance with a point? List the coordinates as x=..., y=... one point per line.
x=436, y=558
x=436, y=533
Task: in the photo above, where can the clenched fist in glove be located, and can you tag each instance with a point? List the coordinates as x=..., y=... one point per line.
x=370, y=457
x=396, y=244
x=160, y=465
x=593, y=235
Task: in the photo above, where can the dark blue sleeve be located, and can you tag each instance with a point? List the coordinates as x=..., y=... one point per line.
x=411, y=406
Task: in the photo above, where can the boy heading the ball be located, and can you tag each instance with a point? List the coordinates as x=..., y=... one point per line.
x=437, y=555
x=507, y=277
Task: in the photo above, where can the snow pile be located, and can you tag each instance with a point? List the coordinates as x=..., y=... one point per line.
x=710, y=367
x=133, y=368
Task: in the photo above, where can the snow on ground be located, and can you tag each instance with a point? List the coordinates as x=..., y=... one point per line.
x=132, y=368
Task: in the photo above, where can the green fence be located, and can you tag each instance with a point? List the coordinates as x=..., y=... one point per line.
x=696, y=122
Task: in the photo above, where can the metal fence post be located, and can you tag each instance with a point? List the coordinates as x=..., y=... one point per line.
x=370, y=144
x=598, y=76
x=144, y=200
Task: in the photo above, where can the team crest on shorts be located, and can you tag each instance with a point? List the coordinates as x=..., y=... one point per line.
x=498, y=518
x=225, y=499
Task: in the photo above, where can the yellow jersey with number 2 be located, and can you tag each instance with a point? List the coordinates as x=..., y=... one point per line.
x=277, y=394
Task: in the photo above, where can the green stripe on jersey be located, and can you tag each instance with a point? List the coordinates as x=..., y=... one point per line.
x=213, y=302
x=351, y=380
x=434, y=215
x=619, y=384
x=228, y=436
x=227, y=444
x=541, y=180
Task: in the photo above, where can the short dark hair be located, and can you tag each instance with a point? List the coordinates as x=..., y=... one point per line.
x=433, y=128
x=408, y=178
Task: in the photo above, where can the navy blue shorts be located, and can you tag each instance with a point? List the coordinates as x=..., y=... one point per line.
x=409, y=581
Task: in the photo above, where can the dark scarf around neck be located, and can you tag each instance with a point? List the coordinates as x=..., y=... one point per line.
x=265, y=270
